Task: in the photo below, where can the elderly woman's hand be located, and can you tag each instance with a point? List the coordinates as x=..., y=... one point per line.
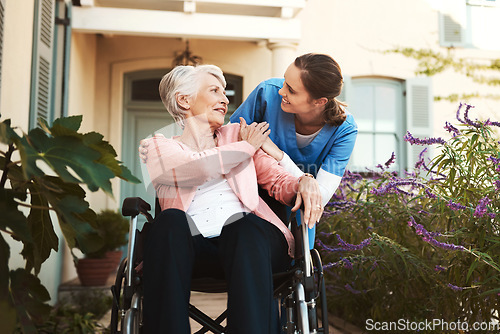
x=310, y=196
x=143, y=148
x=255, y=133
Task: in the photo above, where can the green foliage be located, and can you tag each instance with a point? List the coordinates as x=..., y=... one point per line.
x=424, y=246
x=79, y=314
x=430, y=63
x=45, y=183
x=112, y=227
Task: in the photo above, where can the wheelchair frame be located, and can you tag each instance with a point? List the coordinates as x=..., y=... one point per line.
x=298, y=289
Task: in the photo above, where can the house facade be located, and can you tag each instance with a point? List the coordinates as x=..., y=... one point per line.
x=103, y=59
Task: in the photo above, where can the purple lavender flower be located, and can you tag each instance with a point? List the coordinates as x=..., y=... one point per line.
x=454, y=287
x=466, y=117
x=426, y=141
x=455, y=206
x=439, y=268
x=429, y=237
x=331, y=265
x=347, y=263
x=349, y=288
x=388, y=162
x=350, y=247
x=393, y=187
x=451, y=129
x=429, y=194
x=482, y=207
x=328, y=248
x=496, y=161
x=458, y=113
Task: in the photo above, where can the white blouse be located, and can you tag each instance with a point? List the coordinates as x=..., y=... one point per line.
x=213, y=204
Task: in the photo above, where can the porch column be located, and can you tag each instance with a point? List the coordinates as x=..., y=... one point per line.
x=283, y=53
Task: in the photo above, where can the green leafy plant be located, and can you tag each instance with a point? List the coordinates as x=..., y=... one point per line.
x=112, y=228
x=42, y=174
x=421, y=246
x=431, y=62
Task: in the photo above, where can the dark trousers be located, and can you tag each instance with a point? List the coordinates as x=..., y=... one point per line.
x=246, y=254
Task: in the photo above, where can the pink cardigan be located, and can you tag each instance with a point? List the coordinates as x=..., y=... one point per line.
x=176, y=170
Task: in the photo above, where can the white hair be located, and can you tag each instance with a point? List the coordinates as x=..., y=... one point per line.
x=184, y=80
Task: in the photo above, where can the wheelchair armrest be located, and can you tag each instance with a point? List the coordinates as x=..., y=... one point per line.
x=133, y=206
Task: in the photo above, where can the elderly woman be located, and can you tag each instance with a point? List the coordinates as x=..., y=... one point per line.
x=213, y=221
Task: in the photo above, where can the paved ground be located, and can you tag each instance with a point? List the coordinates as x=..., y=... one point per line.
x=214, y=304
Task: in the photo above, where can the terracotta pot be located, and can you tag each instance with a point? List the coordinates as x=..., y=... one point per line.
x=115, y=257
x=94, y=272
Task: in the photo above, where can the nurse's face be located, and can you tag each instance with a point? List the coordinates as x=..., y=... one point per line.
x=295, y=98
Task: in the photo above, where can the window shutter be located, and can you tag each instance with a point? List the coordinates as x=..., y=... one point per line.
x=42, y=63
x=2, y=20
x=419, y=101
x=452, y=23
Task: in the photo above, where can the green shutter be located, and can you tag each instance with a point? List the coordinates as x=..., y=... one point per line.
x=41, y=77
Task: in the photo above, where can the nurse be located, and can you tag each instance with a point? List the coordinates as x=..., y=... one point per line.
x=311, y=131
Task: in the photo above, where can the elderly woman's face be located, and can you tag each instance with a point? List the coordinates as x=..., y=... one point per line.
x=211, y=101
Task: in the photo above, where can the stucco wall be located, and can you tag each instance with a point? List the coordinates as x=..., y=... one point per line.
x=354, y=32
x=16, y=62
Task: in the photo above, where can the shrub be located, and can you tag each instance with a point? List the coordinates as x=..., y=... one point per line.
x=422, y=246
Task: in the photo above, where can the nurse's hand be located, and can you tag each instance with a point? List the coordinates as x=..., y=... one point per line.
x=143, y=148
x=309, y=196
x=268, y=146
x=255, y=134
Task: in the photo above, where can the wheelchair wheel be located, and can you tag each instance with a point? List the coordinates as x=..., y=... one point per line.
x=302, y=312
x=318, y=270
x=132, y=322
x=116, y=291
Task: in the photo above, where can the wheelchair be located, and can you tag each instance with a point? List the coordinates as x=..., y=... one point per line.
x=300, y=290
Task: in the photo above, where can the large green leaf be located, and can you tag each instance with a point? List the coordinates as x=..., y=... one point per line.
x=11, y=219
x=68, y=156
x=7, y=311
x=66, y=126
x=7, y=134
x=44, y=238
x=29, y=297
x=126, y=175
x=75, y=216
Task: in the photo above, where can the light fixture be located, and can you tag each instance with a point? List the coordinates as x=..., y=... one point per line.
x=186, y=57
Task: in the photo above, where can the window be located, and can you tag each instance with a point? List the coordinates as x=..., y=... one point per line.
x=384, y=110
x=146, y=90
x=470, y=24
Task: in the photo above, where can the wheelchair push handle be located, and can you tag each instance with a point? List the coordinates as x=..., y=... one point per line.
x=133, y=206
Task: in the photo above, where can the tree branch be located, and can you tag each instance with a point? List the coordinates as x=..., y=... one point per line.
x=8, y=156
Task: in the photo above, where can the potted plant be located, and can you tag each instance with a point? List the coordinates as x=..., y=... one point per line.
x=95, y=267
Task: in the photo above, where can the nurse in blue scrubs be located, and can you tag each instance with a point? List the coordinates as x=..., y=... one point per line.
x=312, y=133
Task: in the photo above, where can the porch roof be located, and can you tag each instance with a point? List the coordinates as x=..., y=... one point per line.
x=251, y=20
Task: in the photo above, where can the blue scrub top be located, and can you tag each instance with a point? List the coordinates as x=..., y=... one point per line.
x=330, y=149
